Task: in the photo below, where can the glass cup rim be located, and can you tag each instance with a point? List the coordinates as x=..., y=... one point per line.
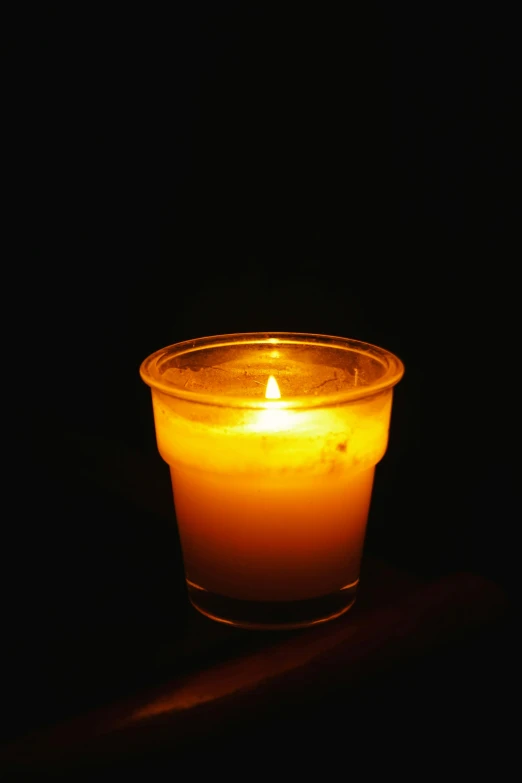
x=393, y=369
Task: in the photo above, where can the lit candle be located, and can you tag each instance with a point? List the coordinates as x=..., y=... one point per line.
x=272, y=443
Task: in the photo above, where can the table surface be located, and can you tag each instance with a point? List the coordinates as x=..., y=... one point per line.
x=219, y=682
x=409, y=646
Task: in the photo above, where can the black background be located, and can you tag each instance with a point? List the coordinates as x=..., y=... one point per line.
x=235, y=167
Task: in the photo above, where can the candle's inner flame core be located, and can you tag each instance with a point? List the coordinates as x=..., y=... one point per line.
x=272, y=389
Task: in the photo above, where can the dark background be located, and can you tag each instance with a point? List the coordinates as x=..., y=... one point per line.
x=232, y=168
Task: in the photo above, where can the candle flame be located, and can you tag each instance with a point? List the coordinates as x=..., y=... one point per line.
x=272, y=389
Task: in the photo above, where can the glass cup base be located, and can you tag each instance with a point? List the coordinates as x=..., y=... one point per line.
x=272, y=615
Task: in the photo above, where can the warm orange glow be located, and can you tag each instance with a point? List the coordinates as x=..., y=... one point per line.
x=271, y=499
x=272, y=504
x=272, y=389
x=290, y=535
x=245, y=672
